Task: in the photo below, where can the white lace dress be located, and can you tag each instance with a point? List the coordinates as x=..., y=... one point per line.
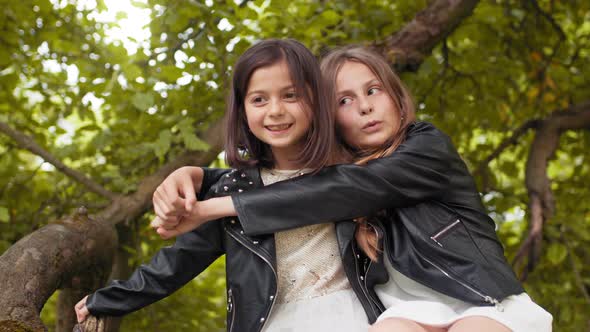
x=313, y=291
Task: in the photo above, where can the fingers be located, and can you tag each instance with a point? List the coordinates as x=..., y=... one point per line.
x=166, y=233
x=81, y=310
x=185, y=226
x=188, y=189
x=158, y=222
x=167, y=206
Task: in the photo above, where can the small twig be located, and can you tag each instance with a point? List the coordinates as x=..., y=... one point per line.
x=513, y=139
x=26, y=142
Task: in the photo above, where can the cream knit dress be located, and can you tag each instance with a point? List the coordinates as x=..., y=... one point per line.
x=313, y=291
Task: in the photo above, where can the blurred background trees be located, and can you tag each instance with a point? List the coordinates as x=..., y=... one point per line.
x=99, y=100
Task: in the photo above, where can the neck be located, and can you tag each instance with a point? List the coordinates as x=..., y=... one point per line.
x=284, y=158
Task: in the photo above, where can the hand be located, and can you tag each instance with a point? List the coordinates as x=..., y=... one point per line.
x=81, y=311
x=176, y=195
x=184, y=224
x=201, y=213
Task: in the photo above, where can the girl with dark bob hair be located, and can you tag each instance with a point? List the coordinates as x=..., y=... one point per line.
x=279, y=125
x=426, y=229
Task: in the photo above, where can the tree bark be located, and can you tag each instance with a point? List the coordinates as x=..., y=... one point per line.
x=74, y=253
x=541, y=201
x=78, y=251
x=407, y=48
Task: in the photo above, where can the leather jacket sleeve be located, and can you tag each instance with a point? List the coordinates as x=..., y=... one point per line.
x=417, y=171
x=171, y=267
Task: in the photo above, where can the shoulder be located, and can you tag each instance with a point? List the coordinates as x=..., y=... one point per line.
x=235, y=181
x=420, y=128
x=425, y=136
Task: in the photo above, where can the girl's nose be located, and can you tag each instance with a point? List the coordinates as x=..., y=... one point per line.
x=365, y=107
x=276, y=109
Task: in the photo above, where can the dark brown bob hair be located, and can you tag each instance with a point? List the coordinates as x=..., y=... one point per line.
x=242, y=148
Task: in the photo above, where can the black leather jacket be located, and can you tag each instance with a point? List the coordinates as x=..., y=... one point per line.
x=250, y=265
x=436, y=230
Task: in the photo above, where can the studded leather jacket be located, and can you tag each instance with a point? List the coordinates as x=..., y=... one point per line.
x=435, y=229
x=250, y=264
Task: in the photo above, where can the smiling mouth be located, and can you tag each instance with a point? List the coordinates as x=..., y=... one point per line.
x=278, y=128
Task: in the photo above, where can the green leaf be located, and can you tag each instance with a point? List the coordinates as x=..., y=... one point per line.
x=556, y=253
x=170, y=73
x=132, y=71
x=121, y=15
x=162, y=145
x=190, y=139
x=4, y=215
x=330, y=17
x=143, y=101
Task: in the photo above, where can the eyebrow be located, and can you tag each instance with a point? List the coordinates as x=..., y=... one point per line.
x=288, y=87
x=366, y=84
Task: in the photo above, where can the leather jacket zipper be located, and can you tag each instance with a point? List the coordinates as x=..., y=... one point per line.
x=359, y=278
x=486, y=298
x=443, y=231
x=243, y=241
x=230, y=308
x=377, y=303
x=370, y=297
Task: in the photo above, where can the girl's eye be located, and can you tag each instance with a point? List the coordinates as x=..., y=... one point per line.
x=258, y=100
x=345, y=101
x=372, y=91
x=291, y=95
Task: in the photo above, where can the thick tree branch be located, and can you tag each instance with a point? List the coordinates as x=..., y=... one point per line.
x=407, y=48
x=28, y=143
x=57, y=255
x=538, y=184
x=72, y=253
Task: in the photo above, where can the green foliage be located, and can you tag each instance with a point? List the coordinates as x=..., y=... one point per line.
x=117, y=114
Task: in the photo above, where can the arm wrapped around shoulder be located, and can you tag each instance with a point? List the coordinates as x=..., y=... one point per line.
x=417, y=171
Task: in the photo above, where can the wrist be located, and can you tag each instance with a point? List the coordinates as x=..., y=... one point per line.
x=218, y=207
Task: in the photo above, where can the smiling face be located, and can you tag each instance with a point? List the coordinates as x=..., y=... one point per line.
x=367, y=116
x=275, y=113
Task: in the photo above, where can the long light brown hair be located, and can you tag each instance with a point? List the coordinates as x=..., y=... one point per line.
x=331, y=64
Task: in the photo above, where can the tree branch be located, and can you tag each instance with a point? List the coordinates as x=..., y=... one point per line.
x=28, y=143
x=538, y=184
x=407, y=48
x=66, y=254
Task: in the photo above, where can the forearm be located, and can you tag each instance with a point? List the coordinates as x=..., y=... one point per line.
x=171, y=268
x=217, y=207
x=148, y=284
x=417, y=171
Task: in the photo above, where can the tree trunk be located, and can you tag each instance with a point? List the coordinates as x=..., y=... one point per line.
x=73, y=253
